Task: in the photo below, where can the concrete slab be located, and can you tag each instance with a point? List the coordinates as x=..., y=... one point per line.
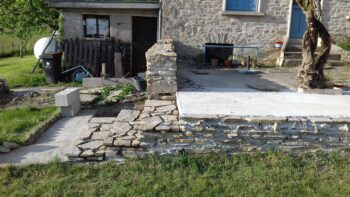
x=207, y=103
x=234, y=81
x=55, y=142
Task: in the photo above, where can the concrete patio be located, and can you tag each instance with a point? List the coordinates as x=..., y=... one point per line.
x=209, y=92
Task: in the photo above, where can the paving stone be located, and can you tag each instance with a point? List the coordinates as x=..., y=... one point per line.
x=144, y=115
x=106, y=127
x=103, y=120
x=87, y=153
x=128, y=115
x=156, y=103
x=108, y=141
x=122, y=143
x=168, y=108
x=126, y=138
x=148, y=109
x=102, y=135
x=135, y=143
x=87, y=133
x=86, y=99
x=10, y=145
x=73, y=151
x=163, y=128
x=78, y=142
x=93, y=125
x=148, y=124
x=92, y=145
x=100, y=153
x=121, y=128
x=169, y=118
x=132, y=132
x=4, y=149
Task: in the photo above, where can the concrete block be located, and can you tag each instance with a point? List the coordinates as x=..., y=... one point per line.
x=71, y=110
x=67, y=97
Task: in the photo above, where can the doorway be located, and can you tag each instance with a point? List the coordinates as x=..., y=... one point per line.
x=144, y=36
x=298, y=24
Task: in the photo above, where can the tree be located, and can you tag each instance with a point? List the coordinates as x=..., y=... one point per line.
x=311, y=75
x=26, y=18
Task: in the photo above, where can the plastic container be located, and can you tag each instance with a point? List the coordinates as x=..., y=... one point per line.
x=52, y=66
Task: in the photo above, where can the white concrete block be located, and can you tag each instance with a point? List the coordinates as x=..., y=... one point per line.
x=72, y=110
x=67, y=97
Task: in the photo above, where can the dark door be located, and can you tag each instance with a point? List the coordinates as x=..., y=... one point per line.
x=298, y=22
x=144, y=36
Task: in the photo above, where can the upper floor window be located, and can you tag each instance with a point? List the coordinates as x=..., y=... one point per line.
x=242, y=5
x=96, y=26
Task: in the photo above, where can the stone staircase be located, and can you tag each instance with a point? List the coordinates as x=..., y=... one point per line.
x=293, y=55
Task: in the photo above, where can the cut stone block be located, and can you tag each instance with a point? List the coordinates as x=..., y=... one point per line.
x=72, y=110
x=67, y=97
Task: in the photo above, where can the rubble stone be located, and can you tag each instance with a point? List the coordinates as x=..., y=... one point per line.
x=128, y=115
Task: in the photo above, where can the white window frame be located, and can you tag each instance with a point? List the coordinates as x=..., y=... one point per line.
x=242, y=13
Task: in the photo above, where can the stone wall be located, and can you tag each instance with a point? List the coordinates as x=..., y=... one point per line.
x=196, y=22
x=161, y=71
x=334, y=18
x=237, y=134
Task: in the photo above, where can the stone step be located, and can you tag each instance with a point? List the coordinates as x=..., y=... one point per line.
x=293, y=48
x=298, y=55
x=297, y=62
x=295, y=41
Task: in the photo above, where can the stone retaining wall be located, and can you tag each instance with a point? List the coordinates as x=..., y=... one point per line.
x=157, y=130
x=239, y=134
x=161, y=71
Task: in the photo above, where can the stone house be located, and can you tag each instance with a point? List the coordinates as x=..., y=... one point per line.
x=195, y=23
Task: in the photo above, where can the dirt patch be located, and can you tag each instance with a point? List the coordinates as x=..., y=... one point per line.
x=28, y=98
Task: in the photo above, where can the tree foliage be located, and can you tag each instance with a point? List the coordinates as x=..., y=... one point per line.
x=311, y=75
x=26, y=18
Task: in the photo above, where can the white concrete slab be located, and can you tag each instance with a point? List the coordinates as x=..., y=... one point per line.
x=55, y=142
x=262, y=104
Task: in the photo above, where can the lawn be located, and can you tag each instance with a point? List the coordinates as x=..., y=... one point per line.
x=273, y=174
x=18, y=72
x=16, y=124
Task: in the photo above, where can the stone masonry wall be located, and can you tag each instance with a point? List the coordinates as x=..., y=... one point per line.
x=334, y=18
x=196, y=22
x=161, y=71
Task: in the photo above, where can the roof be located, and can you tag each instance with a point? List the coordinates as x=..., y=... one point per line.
x=107, y=4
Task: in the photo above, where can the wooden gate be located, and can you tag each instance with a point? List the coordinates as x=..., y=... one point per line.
x=92, y=53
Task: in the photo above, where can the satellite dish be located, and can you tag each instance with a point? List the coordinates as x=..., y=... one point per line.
x=41, y=44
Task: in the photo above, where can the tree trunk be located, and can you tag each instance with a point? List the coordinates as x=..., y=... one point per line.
x=311, y=74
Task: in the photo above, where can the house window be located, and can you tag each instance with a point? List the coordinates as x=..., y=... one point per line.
x=242, y=5
x=96, y=26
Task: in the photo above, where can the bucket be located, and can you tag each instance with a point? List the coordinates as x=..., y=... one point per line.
x=278, y=45
x=140, y=84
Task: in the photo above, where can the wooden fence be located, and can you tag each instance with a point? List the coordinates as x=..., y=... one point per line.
x=92, y=53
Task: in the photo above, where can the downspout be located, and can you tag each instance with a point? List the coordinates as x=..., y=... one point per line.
x=286, y=38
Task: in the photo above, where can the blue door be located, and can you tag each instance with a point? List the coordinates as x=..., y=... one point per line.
x=298, y=22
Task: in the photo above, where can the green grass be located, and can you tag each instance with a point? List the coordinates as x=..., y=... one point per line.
x=18, y=72
x=345, y=44
x=16, y=124
x=273, y=174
